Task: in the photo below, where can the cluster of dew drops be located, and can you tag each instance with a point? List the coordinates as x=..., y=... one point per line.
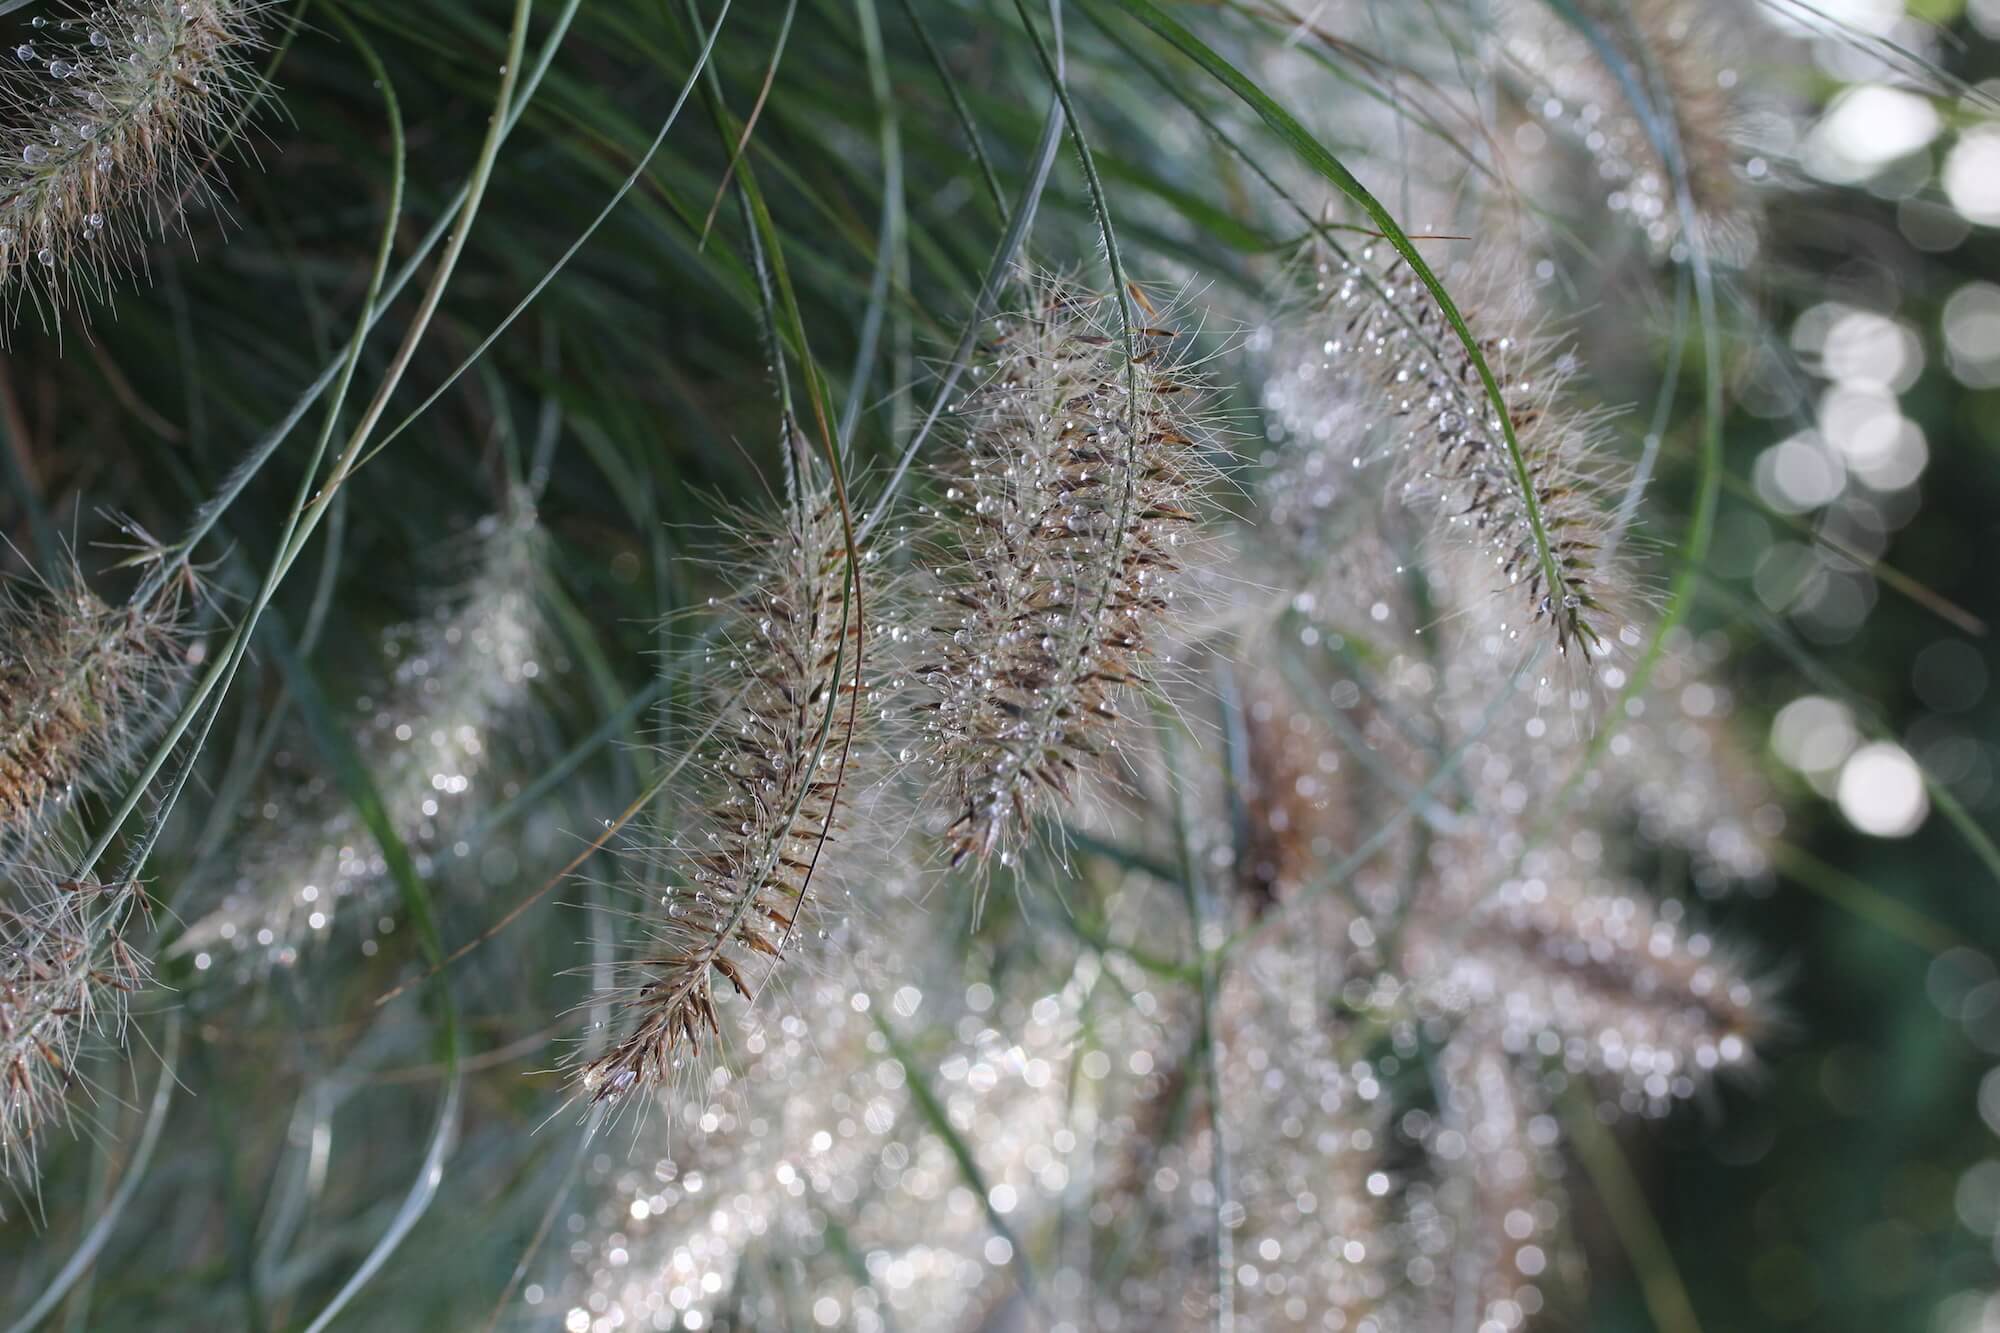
x=74, y=64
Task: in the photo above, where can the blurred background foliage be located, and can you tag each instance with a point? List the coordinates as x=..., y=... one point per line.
x=1853, y=1185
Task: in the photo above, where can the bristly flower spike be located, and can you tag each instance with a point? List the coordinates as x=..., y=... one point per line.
x=726, y=900
x=65, y=971
x=1654, y=92
x=1375, y=339
x=461, y=674
x=113, y=116
x=1022, y=668
x=82, y=683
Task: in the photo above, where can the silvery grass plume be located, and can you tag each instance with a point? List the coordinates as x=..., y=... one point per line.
x=1303, y=1120
x=1527, y=957
x=459, y=676
x=812, y=1184
x=1569, y=964
x=1672, y=776
x=1415, y=662
x=1370, y=589
x=1685, y=59
x=1486, y=1225
x=1663, y=1006
x=82, y=685
x=113, y=115
x=1055, y=558
x=65, y=973
x=1502, y=991
x=731, y=888
x=1368, y=370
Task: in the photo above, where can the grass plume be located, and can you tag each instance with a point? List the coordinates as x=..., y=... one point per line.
x=1370, y=358
x=727, y=896
x=82, y=685
x=459, y=675
x=65, y=971
x=1023, y=662
x=114, y=115
x=1654, y=94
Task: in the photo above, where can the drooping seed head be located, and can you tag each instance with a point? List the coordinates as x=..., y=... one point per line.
x=1372, y=369
x=459, y=676
x=814, y=1117
x=1055, y=557
x=728, y=891
x=1655, y=96
x=1626, y=988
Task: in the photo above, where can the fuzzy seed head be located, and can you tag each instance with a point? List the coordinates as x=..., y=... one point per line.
x=81, y=684
x=1686, y=57
x=1498, y=1202
x=728, y=896
x=1375, y=361
x=113, y=115
x=64, y=976
x=818, y=1119
x=1562, y=963
x=1057, y=551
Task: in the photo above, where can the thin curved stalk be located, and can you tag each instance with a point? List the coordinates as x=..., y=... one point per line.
x=94, y=1240
x=415, y=1203
x=222, y=673
x=1199, y=903
x=888, y=232
x=265, y=448
x=1660, y=1283
x=610, y=206
x=444, y=1129
x=371, y=315
x=1708, y=484
x=958, y=106
x=1019, y=224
